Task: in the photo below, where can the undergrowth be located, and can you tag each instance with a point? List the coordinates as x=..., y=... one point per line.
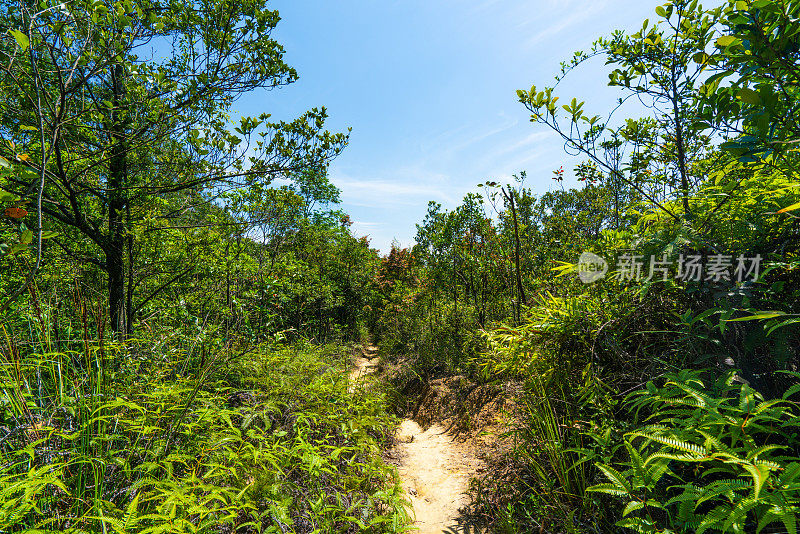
x=117, y=439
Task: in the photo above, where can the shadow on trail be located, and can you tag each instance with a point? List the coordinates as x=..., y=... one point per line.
x=465, y=527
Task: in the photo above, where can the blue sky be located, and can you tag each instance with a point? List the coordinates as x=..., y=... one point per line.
x=429, y=90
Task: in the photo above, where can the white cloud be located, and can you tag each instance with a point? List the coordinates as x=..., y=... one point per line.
x=364, y=228
x=407, y=187
x=466, y=143
x=367, y=225
x=527, y=145
x=575, y=14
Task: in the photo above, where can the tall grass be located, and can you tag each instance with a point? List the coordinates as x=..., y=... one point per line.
x=555, y=457
x=119, y=438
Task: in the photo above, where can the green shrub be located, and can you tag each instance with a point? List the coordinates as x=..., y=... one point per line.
x=711, y=458
x=442, y=337
x=612, y=329
x=271, y=440
x=447, y=339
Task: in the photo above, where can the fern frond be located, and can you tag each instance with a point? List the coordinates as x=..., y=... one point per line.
x=739, y=512
x=608, y=488
x=671, y=442
x=786, y=515
x=714, y=519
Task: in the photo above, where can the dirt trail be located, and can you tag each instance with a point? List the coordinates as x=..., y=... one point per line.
x=365, y=365
x=434, y=470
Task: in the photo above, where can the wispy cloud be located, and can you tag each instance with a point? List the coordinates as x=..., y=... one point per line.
x=526, y=144
x=572, y=13
x=495, y=150
x=482, y=135
x=367, y=225
x=360, y=228
x=451, y=142
x=408, y=187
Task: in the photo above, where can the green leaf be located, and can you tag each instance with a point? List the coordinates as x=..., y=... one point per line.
x=791, y=391
x=758, y=316
x=760, y=475
x=747, y=399
x=787, y=209
x=748, y=96
x=661, y=12
x=632, y=507
x=739, y=513
x=565, y=268
x=713, y=519
x=616, y=477
x=21, y=38
x=607, y=488
x=726, y=41
x=785, y=515
x=131, y=511
x=775, y=325
x=17, y=248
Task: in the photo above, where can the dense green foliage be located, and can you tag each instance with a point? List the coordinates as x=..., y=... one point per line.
x=165, y=301
x=717, y=457
x=263, y=440
x=656, y=400
x=179, y=291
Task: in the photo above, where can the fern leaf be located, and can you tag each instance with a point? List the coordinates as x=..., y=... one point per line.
x=754, y=454
x=790, y=473
x=636, y=461
x=130, y=512
x=785, y=515
x=740, y=512
x=656, y=472
x=608, y=488
x=638, y=524
x=671, y=442
x=615, y=476
x=760, y=475
x=632, y=507
x=714, y=519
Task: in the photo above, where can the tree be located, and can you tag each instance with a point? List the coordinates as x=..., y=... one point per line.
x=752, y=99
x=123, y=104
x=661, y=66
x=462, y=254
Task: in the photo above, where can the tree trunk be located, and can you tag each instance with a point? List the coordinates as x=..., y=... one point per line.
x=129, y=307
x=115, y=267
x=520, y=288
x=115, y=244
x=679, y=141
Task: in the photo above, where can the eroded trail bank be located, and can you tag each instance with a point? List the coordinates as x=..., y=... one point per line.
x=435, y=469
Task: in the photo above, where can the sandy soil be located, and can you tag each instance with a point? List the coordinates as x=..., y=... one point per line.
x=365, y=365
x=435, y=471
